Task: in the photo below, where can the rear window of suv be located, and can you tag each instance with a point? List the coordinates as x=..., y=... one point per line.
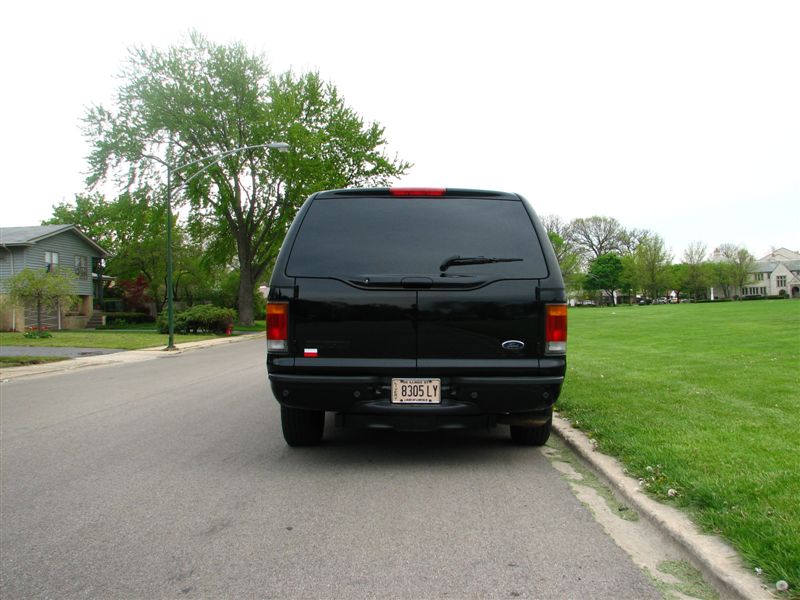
x=414, y=236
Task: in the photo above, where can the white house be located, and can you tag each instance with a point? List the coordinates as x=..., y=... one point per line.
x=778, y=273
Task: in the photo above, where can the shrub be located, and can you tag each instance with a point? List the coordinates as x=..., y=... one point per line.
x=259, y=306
x=203, y=318
x=114, y=305
x=127, y=318
x=34, y=332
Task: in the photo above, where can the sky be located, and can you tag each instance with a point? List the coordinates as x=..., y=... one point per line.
x=678, y=117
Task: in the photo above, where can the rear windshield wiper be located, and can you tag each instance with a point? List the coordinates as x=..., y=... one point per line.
x=455, y=261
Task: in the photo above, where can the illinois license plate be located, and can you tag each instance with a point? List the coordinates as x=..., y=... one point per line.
x=416, y=391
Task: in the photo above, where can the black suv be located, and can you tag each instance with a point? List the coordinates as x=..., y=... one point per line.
x=416, y=309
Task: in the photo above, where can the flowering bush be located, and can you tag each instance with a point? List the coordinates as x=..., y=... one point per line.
x=34, y=332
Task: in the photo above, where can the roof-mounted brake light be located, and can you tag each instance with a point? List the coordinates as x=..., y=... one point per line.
x=417, y=191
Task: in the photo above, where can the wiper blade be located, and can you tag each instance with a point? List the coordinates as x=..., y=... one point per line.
x=455, y=261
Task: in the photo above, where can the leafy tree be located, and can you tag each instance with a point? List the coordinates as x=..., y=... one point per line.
x=568, y=256
x=605, y=273
x=43, y=290
x=131, y=227
x=555, y=224
x=697, y=273
x=92, y=214
x=596, y=236
x=135, y=293
x=652, y=259
x=568, y=259
x=630, y=239
x=675, y=277
x=740, y=264
x=199, y=100
x=722, y=276
x=629, y=278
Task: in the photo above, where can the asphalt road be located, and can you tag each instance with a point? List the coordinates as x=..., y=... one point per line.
x=169, y=478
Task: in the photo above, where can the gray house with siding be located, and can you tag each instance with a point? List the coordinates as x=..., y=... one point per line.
x=48, y=247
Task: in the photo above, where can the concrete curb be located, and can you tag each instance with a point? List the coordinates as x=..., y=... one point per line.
x=128, y=356
x=719, y=562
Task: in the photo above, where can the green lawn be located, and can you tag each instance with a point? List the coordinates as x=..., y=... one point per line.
x=255, y=327
x=85, y=338
x=21, y=361
x=703, y=399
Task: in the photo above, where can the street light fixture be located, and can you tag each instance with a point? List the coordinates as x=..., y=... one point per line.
x=214, y=158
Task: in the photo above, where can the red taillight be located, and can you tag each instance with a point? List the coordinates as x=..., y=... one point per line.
x=417, y=191
x=277, y=326
x=556, y=329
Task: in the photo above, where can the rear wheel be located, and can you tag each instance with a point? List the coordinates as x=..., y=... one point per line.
x=533, y=435
x=302, y=427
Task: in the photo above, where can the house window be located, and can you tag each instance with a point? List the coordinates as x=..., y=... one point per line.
x=754, y=291
x=759, y=277
x=780, y=280
x=50, y=261
x=82, y=267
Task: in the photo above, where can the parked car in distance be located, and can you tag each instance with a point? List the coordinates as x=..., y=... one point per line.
x=416, y=309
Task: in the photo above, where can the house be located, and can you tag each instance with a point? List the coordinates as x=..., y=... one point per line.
x=776, y=274
x=48, y=247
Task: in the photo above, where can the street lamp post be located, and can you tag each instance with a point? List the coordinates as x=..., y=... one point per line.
x=280, y=146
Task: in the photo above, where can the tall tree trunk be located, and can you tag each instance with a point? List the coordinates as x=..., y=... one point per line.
x=100, y=290
x=245, y=297
x=38, y=315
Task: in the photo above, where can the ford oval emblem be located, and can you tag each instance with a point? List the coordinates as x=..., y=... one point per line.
x=513, y=345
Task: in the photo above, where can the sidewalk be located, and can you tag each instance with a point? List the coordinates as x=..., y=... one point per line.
x=55, y=351
x=109, y=357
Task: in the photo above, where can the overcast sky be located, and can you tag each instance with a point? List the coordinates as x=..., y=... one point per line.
x=679, y=117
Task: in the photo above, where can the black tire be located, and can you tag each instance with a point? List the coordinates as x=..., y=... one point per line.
x=302, y=427
x=535, y=435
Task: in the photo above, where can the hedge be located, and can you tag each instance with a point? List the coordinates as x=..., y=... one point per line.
x=128, y=317
x=203, y=318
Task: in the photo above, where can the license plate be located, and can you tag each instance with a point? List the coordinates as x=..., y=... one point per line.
x=416, y=391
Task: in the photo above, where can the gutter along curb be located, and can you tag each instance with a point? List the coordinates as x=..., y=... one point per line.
x=720, y=564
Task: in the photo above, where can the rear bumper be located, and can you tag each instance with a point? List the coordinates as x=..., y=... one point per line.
x=466, y=401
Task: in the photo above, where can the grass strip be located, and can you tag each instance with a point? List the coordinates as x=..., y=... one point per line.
x=85, y=338
x=257, y=326
x=702, y=403
x=22, y=361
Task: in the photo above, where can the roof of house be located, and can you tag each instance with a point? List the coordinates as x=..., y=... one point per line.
x=781, y=255
x=792, y=265
x=762, y=266
x=28, y=236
